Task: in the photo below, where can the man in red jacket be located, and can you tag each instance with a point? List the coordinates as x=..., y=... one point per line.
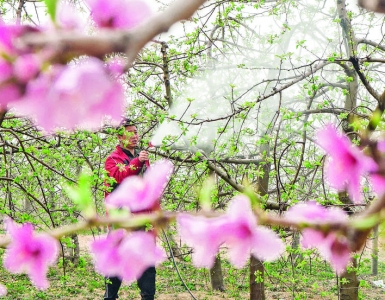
x=126, y=160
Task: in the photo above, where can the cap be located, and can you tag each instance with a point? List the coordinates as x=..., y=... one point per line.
x=126, y=122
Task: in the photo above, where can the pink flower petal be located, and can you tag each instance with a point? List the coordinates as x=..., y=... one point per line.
x=313, y=213
x=137, y=260
x=203, y=235
x=107, y=257
x=340, y=255
x=378, y=183
x=312, y=238
x=119, y=13
x=121, y=254
x=267, y=246
x=344, y=156
x=26, y=67
x=138, y=194
x=243, y=236
x=30, y=254
x=73, y=96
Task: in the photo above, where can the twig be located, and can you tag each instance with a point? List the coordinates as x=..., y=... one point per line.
x=176, y=267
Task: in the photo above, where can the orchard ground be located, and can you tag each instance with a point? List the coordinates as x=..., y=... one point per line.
x=310, y=278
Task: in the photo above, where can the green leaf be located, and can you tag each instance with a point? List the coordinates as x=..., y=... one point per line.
x=206, y=192
x=51, y=8
x=250, y=193
x=81, y=195
x=365, y=223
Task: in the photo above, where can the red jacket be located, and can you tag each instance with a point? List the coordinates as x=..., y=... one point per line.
x=119, y=166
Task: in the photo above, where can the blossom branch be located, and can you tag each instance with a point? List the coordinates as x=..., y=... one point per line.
x=109, y=41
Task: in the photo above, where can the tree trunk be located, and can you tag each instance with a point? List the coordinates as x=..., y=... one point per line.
x=349, y=289
x=257, y=284
x=295, y=255
x=76, y=250
x=257, y=271
x=216, y=276
x=375, y=251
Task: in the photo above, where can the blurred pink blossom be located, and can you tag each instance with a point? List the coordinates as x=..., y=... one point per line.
x=378, y=184
x=138, y=194
x=10, y=87
x=346, y=164
x=204, y=235
x=333, y=246
x=116, y=66
x=123, y=14
x=237, y=229
x=26, y=67
x=9, y=33
x=243, y=236
x=313, y=213
x=121, y=254
x=5, y=70
x=73, y=96
x=106, y=252
x=69, y=18
x=30, y=253
x=9, y=93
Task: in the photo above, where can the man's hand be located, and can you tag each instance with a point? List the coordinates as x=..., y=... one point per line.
x=143, y=156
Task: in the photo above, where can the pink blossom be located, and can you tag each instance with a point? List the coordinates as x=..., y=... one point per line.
x=107, y=256
x=9, y=33
x=313, y=213
x=116, y=66
x=73, y=96
x=203, y=234
x=26, y=67
x=138, y=194
x=126, y=255
x=5, y=70
x=378, y=184
x=237, y=229
x=68, y=17
x=346, y=164
x=9, y=93
x=119, y=13
x=243, y=236
x=333, y=246
x=30, y=253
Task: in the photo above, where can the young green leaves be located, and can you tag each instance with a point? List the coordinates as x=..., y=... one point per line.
x=81, y=196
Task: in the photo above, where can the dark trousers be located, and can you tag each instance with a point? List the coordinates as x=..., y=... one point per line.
x=146, y=284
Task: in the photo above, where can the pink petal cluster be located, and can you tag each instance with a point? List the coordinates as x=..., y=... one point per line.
x=123, y=14
x=126, y=255
x=73, y=96
x=16, y=67
x=68, y=17
x=333, y=246
x=378, y=184
x=138, y=194
x=30, y=253
x=346, y=164
x=237, y=229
